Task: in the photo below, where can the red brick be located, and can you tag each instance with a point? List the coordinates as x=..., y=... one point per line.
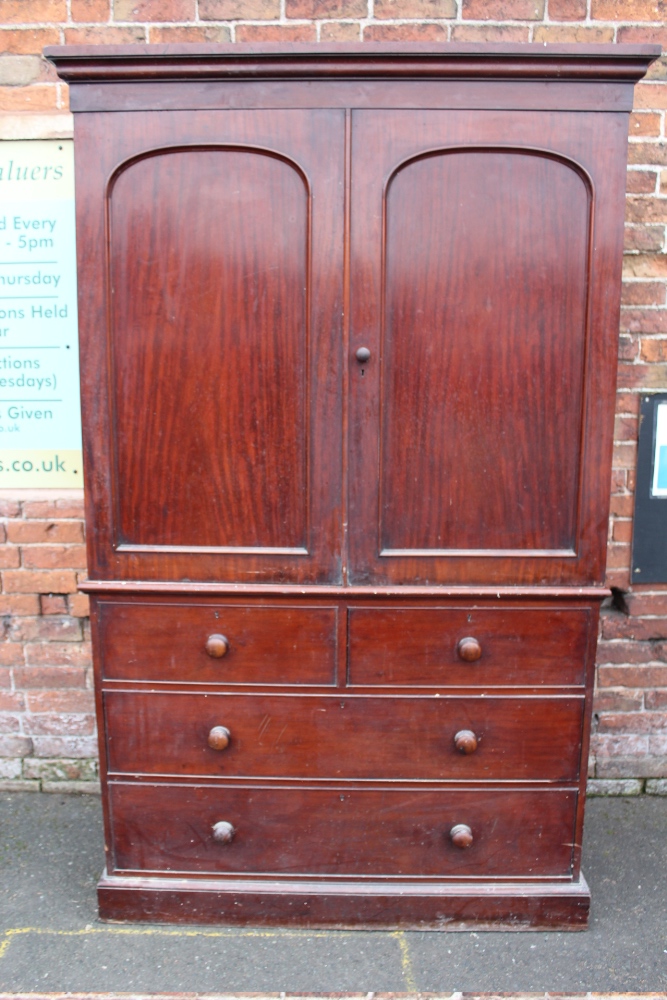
x=99, y=35
x=567, y=10
x=610, y=700
x=629, y=745
x=653, y=350
x=32, y=11
x=642, y=377
x=617, y=578
x=64, y=746
x=502, y=10
x=644, y=209
x=51, y=628
x=68, y=702
x=21, y=581
x=52, y=654
x=633, y=722
x=90, y=10
x=251, y=10
x=10, y=508
x=632, y=676
x=628, y=347
x=53, y=604
x=622, y=531
x=647, y=604
x=644, y=320
x=158, y=34
x=639, y=34
x=276, y=33
x=340, y=31
x=16, y=746
x=618, y=480
x=627, y=402
x=618, y=556
x=405, y=33
x=647, y=153
x=625, y=428
x=61, y=724
x=45, y=532
x=11, y=654
x=645, y=123
x=69, y=507
x=645, y=266
x=79, y=605
x=643, y=293
x=619, y=626
x=641, y=181
x=28, y=41
x=622, y=506
x=490, y=33
x=577, y=33
x=49, y=677
x=12, y=701
x=5, y=678
x=9, y=723
x=652, y=96
x=9, y=557
x=628, y=10
x=154, y=10
x=54, y=557
x=621, y=651
x=19, y=604
x=644, y=238
x=632, y=479
x=348, y=8
x=656, y=699
x=36, y=97
x=431, y=9
x=626, y=451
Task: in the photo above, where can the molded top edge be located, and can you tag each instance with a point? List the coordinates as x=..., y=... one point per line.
x=88, y=63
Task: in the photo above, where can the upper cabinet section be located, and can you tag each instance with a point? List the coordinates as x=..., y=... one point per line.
x=349, y=314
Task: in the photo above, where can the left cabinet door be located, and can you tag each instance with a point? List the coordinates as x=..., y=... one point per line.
x=211, y=279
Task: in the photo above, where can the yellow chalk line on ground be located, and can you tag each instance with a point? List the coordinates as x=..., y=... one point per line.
x=231, y=932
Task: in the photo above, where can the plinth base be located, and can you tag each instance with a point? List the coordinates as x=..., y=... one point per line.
x=375, y=905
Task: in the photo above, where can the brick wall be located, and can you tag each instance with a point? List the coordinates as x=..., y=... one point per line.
x=46, y=720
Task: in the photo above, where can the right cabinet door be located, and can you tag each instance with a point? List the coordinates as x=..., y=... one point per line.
x=485, y=263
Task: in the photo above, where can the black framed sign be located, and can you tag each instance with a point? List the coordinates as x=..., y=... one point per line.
x=649, y=540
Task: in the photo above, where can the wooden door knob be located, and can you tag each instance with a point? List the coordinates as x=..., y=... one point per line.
x=465, y=741
x=223, y=833
x=469, y=649
x=219, y=737
x=461, y=835
x=217, y=646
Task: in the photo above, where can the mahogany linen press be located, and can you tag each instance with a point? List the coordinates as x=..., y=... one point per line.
x=348, y=324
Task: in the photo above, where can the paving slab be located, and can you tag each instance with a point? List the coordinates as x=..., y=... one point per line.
x=52, y=941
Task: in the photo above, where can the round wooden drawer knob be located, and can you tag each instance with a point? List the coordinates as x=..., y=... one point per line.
x=469, y=649
x=461, y=835
x=217, y=646
x=223, y=833
x=219, y=737
x=465, y=741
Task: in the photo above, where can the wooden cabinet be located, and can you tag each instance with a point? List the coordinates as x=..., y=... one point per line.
x=348, y=320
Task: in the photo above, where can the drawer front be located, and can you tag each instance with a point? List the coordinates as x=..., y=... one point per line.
x=421, y=646
x=265, y=645
x=393, y=832
x=345, y=737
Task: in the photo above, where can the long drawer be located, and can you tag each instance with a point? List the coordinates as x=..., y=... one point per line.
x=510, y=646
x=473, y=738
x=315, y=831
x=262, y=644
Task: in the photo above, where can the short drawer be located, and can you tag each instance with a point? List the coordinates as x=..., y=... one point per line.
x=516, y=646
x=264, y=645
x=315, y=831
x=344, y=737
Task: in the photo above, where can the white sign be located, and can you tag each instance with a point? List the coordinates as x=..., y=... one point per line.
x=659, y=488
x=40, y=421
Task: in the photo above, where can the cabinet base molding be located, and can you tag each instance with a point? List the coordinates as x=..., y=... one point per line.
x=378, y=905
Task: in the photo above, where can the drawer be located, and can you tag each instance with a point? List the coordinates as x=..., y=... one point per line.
x=421, y=646
x=345, y=737
x=168, y=642
x=314, y=831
